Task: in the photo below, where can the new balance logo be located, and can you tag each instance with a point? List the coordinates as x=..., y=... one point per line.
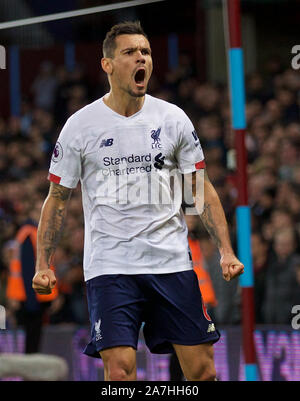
x=211, y=327
x=159, y=161
x=106, y=142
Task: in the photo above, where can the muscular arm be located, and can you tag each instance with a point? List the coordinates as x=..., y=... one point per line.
x=212, y=215
x=51, y=224
x=49, y=233
x=214, y=220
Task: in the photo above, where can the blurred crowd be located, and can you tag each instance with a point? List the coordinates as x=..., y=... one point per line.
x=273, y=146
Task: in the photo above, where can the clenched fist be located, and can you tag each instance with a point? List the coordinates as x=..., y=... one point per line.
x=44, y=281
x=231, y=266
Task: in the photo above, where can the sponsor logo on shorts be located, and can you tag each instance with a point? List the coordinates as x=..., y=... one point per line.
x=211, y=327
x=98, y=330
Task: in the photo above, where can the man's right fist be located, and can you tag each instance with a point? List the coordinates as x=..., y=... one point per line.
x=43, y=281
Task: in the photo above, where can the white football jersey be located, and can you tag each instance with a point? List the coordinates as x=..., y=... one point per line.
x=130, y=169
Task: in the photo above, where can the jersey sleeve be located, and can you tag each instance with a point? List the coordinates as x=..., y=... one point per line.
x=65, y=167
x=189, y=154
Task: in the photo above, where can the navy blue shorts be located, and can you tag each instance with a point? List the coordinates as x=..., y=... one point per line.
x=170, y=305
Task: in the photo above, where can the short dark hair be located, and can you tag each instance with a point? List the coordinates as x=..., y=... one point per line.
x=123, y=28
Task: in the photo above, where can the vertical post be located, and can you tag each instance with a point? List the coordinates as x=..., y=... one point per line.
x=14, y=81
x=243, y=214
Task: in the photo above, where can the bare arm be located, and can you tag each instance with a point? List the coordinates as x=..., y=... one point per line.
x=214, y=220
x=49, y=233
x=213, y=216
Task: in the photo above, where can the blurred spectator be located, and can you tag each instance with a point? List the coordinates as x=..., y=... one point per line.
x=227, y=293
x=184, y=70
x=294, y=205
x=280, y=217
x=205, y=283
x=260, y=254
x=44, y=87
x=26, y=115
x=265, y=204
x=281, y=283
x=27, y=307
x=211, y=136
x=61, y=95
x=290, y=109
x=255, y=87
x=296, y=295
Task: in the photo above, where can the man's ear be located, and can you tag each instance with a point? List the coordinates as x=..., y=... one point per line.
x=106, y=65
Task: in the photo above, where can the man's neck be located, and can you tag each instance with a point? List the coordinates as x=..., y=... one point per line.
x=125, y=105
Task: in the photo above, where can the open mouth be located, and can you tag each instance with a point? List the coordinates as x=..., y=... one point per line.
x=139, y=77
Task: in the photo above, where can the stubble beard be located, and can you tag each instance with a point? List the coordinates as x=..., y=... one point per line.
x=135, y=94
x=129, y=91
